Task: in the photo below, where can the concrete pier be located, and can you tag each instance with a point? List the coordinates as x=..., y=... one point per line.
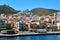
x=30, y=33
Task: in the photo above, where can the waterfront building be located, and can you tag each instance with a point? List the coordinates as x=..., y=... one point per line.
x=16, y=26
x=58, y=25
x=58, y=16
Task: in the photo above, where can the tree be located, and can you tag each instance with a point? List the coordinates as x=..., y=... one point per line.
x=35, y=26
x=9, y=27
x=23, y=27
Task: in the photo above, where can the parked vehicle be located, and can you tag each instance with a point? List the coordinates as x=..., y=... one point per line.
x=8, y=32
x=41, y=30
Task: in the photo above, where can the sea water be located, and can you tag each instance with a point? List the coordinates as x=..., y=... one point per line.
x=36, y=37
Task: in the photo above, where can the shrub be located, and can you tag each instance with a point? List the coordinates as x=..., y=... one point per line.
x=9, y=26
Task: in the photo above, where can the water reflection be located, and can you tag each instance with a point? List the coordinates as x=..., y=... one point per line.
x=39, y=37
x=9, y=38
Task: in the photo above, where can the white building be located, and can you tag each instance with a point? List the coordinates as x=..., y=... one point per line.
x=58, y=25
x=58, y=16
x=35, y=17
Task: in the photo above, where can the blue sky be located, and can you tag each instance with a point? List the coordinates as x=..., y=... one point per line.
x=30, y=4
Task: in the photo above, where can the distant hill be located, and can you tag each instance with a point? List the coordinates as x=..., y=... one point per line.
x=38, y=11
x=44, y=11
x=7, y=9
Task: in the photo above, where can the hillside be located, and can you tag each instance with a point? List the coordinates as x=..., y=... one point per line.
x=7, y=9
x=38, y=11
x=44, y=11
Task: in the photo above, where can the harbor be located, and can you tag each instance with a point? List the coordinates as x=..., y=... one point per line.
x=20, y=25
x=29, y=20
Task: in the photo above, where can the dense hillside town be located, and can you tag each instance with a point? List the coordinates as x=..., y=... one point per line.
x=36, y=20
x=26, y=21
